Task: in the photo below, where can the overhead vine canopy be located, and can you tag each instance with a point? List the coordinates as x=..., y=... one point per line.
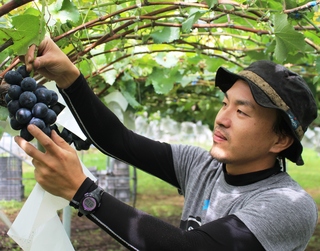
x=161, y=56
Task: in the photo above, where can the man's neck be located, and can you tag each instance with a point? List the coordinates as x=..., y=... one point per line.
x=252, y=177
x=250, y=167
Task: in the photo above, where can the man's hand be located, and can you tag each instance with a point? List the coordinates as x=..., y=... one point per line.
x=51, y=62
x=58, y=169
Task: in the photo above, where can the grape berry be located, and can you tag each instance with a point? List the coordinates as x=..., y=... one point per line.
x=27, y=99
x=28, y=84
x=13, y=77
x=30, y=103
x=14, y=91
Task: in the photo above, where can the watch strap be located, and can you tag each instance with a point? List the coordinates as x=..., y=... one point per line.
x=87, y=186
x=74, y=203
x=95, y=195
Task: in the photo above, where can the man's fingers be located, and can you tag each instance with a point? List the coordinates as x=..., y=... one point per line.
x=28, y=148
x=30, y=57
x=58, y=140
x=50, y=145
x=43, y=139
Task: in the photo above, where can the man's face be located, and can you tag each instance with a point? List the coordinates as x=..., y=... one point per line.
x=243, y=136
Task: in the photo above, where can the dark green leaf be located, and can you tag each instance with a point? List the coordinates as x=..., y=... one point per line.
x=130, y=94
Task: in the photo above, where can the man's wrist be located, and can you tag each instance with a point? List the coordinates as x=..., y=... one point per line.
x=88, y=185
x=88, y=198
x=90, y=202
x=69, y=78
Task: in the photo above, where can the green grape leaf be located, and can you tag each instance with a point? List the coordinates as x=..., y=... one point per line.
x=166, y=35
x=64, y=10
x=131, y=99
x=27, y=30
x=128, y=90
x=257, y=55
x=109, y=76
x=6, y=53
x=212, y=64
x=194, y=59
x=211, y=3
x=32, y=11
x=85, y=67
x=186, y=80
x=287, y=39
x=194, y=16
x=167, y=60
x=163, y=79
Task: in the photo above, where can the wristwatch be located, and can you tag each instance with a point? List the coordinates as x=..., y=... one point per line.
x=90, y=201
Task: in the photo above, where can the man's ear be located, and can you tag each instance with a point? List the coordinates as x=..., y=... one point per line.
x=283, y=142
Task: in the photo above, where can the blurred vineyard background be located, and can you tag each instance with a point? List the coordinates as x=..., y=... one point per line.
x=153, y=64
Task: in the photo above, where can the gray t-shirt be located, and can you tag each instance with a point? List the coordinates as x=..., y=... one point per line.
x=277, y=210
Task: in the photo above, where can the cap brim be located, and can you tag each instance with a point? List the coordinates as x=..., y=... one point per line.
x=225, y=80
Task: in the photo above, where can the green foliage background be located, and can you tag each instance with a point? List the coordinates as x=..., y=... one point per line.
x=161, y=56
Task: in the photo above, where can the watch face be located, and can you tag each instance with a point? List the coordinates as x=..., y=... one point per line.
x=89, y=204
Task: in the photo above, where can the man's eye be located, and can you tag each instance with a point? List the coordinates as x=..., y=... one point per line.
x=241, y=112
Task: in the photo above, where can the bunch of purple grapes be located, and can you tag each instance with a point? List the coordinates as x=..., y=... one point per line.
x=30, y=103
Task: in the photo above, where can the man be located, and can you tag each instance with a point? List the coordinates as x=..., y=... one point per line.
x=237, y=195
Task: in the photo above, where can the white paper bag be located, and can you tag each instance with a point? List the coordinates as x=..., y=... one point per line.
x=37, y=226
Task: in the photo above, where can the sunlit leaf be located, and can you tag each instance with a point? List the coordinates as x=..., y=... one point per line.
x=187, y=80
x=212, y=64
x=27, y=30
x=64, y=10
x=169, y=64
x=167, y=60
x=287, y=39
x=85, y=67
x=194, y=16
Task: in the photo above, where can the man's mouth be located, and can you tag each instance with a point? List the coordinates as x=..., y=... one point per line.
x=219, y=136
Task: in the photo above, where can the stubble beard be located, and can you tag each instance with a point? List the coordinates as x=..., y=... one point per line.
x=218, y=155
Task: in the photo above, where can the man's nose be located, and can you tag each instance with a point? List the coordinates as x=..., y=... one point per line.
x=223, y=117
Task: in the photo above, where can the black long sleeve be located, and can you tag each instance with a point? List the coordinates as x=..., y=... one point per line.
x=135, y=229
x=111, y=137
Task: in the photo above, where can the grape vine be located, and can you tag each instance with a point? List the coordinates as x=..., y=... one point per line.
x=162, y=55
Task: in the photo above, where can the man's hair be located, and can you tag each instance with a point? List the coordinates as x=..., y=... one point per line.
x=281, y=127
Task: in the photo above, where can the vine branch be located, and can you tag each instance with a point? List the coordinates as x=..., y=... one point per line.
x=13, y=4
